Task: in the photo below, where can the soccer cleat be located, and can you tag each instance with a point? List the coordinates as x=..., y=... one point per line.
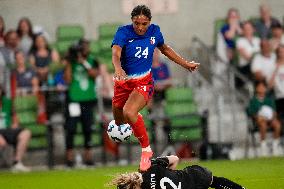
x=145, y=161
x=19, y=167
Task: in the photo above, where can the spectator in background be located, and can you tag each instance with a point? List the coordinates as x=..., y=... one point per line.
x=2, y=31
x=41, y=56
x=263, y=63
x=277, y=36
x=12, y=134
x=2, y=63
x=277, y=81
x=7, y=57
x=247, y=46
x=161, y=76
x=25, y=33
x=231, y=30
x=264, y=23
x=80, y=74
x=105, y=84
x=59, y=81
x=26, y=79
x=7, y=53
x=262, y=110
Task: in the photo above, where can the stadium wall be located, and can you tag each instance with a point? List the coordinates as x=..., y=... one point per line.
x=194, y=17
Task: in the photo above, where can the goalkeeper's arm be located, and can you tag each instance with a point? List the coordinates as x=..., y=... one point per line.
x=166, y=161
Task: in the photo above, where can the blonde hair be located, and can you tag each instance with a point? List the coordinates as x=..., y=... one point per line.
x=127, y=181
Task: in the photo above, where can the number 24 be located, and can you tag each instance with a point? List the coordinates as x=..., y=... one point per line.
x=144, y=52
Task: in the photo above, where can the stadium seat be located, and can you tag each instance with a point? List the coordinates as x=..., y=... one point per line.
x=179, y=95
x=186, y=124
x=26, y=108
x=94, y=47
x=63, y=46
x=106, y=58
x=107, y=30
x=69, y=32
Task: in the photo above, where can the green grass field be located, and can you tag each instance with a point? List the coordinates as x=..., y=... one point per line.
x=253, y=174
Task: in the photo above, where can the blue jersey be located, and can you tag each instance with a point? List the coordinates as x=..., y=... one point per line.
x=137, y=50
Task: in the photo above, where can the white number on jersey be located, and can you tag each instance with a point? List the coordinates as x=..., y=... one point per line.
x=167, y=180
x=144, y=53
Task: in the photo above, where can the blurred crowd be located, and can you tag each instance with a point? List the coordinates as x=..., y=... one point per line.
x=255, y=47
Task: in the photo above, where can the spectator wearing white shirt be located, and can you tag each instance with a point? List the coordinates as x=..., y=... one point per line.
x=277, y=81
x=263, y=64
x=277, y=36
x=247, y=46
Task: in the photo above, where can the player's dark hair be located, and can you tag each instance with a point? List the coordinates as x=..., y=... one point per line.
x=141, y=9
x=258, y=82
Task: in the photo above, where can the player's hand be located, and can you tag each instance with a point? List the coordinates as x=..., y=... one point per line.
x=192, y=66
x=120, y=75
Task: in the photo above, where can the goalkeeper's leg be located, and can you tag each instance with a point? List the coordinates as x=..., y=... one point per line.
x=223, y=183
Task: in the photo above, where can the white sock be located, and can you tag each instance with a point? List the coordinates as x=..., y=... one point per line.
x=276, y=142
x=147, y=149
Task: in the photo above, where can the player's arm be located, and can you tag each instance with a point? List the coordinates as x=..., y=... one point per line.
x=166, y=161
x=173, y=161
x=172, y=55
x=119, y=73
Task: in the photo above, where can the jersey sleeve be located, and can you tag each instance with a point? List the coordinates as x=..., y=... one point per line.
x=160, y=37
x=119, y=38
x=162, y=161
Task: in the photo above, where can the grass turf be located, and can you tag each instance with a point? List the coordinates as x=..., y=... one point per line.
x=253, y=174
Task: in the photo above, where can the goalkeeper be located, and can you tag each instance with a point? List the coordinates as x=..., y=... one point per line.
x=162, y=175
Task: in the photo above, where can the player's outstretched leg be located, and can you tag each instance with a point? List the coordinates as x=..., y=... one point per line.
x=139, y=131
x=223, y=183
x=134, y=104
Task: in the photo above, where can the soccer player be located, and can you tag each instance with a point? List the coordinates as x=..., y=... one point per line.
x=132, y=54
x=162, y=175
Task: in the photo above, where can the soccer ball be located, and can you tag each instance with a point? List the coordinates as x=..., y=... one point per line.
x=119, y=133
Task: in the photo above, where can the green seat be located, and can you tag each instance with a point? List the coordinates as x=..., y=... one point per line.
x=105, y=44
x=108, y=30
x=37, y=129
x=107, y=60
x=186, y=124
x=26, y=108
x=179, y=95
x=186, y=135
x=180, y=109
x=37, y=143
x=69, y=32
x=22, y=103
x=94, y=47
x=63, y=46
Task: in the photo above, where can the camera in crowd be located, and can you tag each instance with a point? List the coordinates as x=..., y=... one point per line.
x=78, y=49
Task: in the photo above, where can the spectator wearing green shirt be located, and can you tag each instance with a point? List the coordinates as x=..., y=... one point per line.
x=80, y=74
x=262, y=110
x=12, y=134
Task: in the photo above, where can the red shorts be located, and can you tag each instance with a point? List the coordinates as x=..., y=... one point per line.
x=122, y=89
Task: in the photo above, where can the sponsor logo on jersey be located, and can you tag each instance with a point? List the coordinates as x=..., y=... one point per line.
x=131, y=40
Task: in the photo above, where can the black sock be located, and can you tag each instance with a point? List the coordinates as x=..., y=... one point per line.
x=223, y=183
